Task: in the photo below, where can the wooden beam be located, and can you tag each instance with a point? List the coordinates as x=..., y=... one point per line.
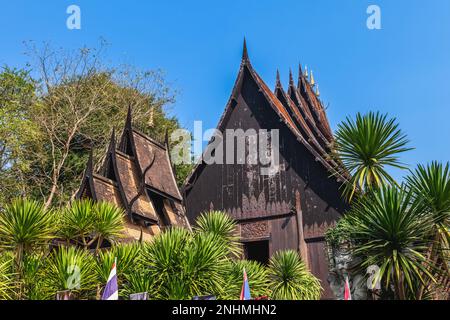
x=302, y=247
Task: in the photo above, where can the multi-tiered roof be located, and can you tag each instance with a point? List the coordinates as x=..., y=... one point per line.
x=137, y=176
x=299, y=108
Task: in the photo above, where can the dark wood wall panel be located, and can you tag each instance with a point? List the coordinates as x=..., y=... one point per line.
x=284, y=234
x=319, y=265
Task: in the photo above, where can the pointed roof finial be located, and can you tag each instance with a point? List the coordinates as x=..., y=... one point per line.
x=300, y=75
x=317, y=91
x=245, y=52
x=312, y=81
x=278, y=81
x=112, y=141
x=128, y=121
x=291, y=78
x=306, y=72
x=90, y=164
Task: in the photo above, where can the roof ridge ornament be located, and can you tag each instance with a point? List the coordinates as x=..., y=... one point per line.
x=317, y=90
x=312, y=81
x=245, y=58
x=300, y=73
x=291, y=78
x=112, y=141
x=306, y=72
x=128, y=120
x=90, y=163
x=278, y=81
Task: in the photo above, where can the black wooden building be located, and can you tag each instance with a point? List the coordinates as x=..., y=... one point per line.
x=292, y=208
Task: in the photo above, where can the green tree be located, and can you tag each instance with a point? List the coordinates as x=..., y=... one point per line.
x=80, y=100
x=17, y=132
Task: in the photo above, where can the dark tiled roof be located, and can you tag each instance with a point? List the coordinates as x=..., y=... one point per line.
x=160, y=176
x=121, y=182
x=316, y=138
x=129, y=179
x=330, y=165
x=306, y=92
x=106, y=190
x=306, y=111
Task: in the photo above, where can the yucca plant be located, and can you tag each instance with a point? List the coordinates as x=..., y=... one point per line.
x=77, y=222
x=366, y=146
x=25, y=227
x=137, y=280
x=431, y=185
x=109, y=222
x=182, y=264
x=390, y=231
x=89, y=223
x=71, y=268
x=34, y=277
x=8, y=283
x=223, y=226
x=128, y=260
x=257, y=277
x=290, y=279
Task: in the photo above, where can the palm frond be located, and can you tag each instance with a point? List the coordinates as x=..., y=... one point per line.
x=25, y=224
x=223, y=226
x=109, y=221
x=389, y=230
x=257, y=275
x=366, y=147
x=290, y=279
x=71, y=268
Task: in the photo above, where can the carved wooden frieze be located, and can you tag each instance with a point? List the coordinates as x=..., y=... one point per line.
x=255, y=230
x=316, y=230
x=253, y=207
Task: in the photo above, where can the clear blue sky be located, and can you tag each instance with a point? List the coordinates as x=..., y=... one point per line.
x=403, y=69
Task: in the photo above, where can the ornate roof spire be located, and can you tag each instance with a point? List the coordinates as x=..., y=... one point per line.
x=278, y=81
x=112, y=141
x=300, y=74
x=291, y=78
x=90, y=163
x=317, y=91
x=312, y=81
x=306, y=72
x=245, y=53
x=128, y=120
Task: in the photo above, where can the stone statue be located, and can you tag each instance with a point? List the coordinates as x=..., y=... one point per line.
x=341, y=263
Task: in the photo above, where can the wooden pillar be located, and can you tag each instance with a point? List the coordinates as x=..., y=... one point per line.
x=302, y=247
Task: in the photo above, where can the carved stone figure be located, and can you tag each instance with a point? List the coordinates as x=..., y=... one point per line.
x=341, y=263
